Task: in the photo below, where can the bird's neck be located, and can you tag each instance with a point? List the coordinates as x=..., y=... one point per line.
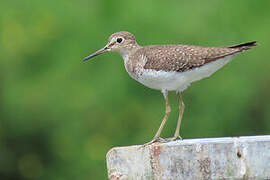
x=126, y=52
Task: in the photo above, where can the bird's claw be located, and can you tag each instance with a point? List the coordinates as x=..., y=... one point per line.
x=173, y=138
x=161, y=140
x=158, y=139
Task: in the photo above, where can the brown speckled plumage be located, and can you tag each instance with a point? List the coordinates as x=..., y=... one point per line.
x=184, y=57
x=174, y=57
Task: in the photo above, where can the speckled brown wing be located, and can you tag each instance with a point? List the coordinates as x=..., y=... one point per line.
x=184, y=57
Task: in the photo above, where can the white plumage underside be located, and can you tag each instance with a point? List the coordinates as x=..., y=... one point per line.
x=178, y=81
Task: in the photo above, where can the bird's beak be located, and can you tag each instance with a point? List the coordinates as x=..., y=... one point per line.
x=105, y=49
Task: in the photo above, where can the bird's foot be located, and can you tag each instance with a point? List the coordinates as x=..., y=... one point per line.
x=173, y=138
x=161, y=140
x=158, y=139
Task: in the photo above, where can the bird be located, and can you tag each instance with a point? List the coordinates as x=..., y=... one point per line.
x=168, y=68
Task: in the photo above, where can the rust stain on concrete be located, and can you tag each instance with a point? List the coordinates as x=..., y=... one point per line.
x=155, y=151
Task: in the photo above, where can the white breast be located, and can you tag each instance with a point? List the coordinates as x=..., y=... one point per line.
x=178, y=81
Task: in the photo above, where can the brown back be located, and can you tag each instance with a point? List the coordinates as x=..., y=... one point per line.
x=184, y=57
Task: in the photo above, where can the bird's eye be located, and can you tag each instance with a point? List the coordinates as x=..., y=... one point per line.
x=119, y=40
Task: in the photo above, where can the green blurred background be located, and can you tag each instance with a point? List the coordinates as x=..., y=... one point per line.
x=59, y=116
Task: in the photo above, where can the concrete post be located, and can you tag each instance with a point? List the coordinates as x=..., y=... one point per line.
x=209, y=158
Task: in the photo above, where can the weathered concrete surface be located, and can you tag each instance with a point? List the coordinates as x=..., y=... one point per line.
x=213, y=158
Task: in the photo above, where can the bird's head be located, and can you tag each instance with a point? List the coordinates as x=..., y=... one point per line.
x=121, y=42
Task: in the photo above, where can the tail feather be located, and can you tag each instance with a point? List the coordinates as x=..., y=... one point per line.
x=244, y=46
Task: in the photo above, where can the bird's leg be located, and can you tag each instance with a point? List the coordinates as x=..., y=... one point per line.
x=165, y=118
x=181, y=112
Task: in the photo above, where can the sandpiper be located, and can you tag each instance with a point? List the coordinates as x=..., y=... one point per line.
x=169, y=67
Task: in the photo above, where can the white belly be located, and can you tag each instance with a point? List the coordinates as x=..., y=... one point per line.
x=178, y=81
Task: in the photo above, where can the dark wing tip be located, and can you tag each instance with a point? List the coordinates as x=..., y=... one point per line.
x=245, y=46
x=234, y=50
